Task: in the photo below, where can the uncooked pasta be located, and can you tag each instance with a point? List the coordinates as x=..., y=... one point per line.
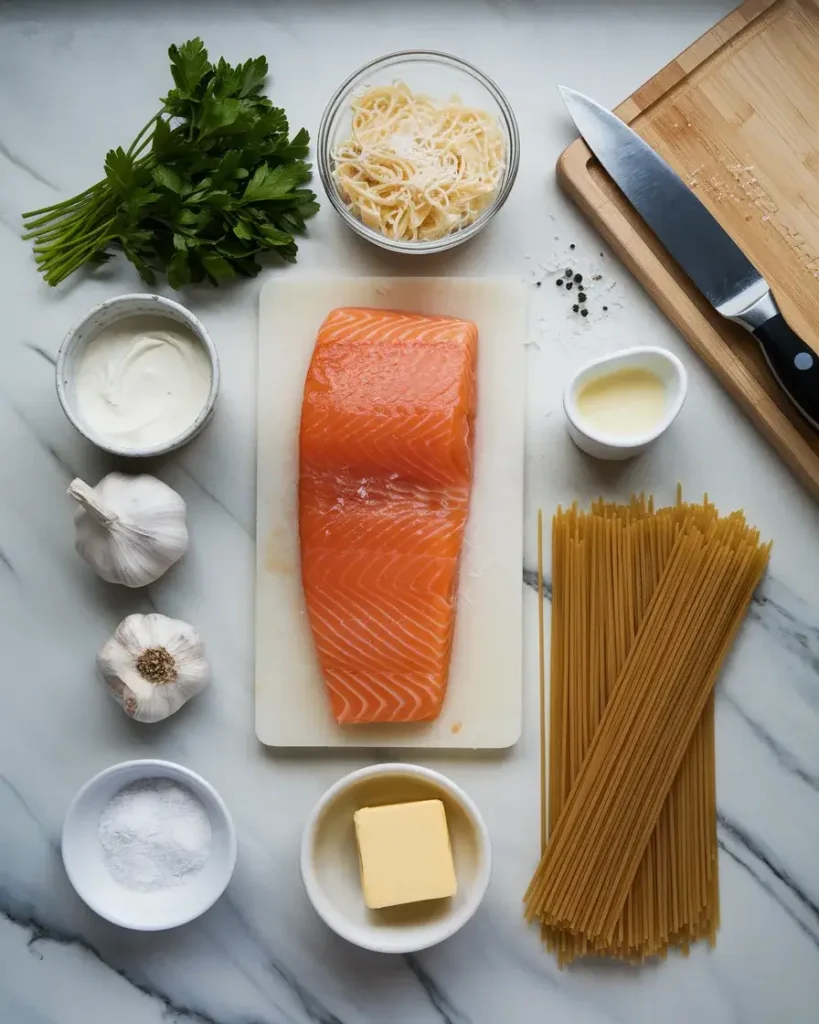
x=645, y=605
x=416, y=169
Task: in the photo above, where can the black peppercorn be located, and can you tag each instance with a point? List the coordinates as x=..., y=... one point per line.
x=584, y=312
x=538, y=283
x=578, y=278
x=582, y=297
x=559, y=282
x=568, y=286
x=572, y=246
x=569, y=274
x=575, y=308
x=605, y=309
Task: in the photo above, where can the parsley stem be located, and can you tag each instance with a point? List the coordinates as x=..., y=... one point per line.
x=60, y=220
x=138, y=139
x=70, y=226
x=66, y=204
x=68, y=245
x=57, y=269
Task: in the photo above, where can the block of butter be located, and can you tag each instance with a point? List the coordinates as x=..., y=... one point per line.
x=405, y=853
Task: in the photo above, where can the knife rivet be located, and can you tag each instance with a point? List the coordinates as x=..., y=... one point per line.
x=803, y=361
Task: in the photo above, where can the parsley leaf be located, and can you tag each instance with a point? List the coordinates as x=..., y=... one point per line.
x=189, y=65
x=275, y=182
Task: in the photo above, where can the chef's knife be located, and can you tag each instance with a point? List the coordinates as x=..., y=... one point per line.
x=713, y=261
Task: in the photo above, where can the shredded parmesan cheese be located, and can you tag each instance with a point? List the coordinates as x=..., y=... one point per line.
x=415, y=169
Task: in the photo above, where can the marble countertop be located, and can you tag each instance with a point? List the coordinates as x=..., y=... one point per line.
x=78, y=78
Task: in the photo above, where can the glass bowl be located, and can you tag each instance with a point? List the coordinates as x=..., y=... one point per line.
x=435, y=74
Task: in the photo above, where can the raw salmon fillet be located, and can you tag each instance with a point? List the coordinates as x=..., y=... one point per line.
x=384, y=480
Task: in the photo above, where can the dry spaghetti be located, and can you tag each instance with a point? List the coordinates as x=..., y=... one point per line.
x=644, y=608
x=415, y=169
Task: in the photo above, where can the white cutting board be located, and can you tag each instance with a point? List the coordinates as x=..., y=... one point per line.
x=482, y=708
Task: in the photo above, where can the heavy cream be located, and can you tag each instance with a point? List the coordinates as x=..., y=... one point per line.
x=628, y=402
x=142, y=381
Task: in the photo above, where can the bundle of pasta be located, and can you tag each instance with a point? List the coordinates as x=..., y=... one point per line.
x=645, y=606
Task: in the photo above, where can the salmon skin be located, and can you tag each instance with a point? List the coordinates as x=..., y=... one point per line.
x=385, y=469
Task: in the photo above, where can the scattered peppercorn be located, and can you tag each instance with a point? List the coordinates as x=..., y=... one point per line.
x=538, y=283
x=605, y=309
x=575, y=308
x=569, y=274
x=581, y=297
x=559, y=282
x=584, y=312
x=568, y=286
x=572, y=246
x=578, y=278
x=597, y=277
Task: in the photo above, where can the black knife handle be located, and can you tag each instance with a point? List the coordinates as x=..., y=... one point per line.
x=794, y=364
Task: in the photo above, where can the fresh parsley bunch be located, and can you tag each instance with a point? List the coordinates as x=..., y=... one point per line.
x=209, y=183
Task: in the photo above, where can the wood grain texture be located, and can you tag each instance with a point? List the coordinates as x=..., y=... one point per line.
x=735, y=116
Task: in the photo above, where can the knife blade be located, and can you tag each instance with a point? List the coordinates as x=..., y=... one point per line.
x=698, y=243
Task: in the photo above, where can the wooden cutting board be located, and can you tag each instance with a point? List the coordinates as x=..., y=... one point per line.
x=483, y=705
x=737, y=116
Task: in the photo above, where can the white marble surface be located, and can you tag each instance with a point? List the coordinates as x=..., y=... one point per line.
x=77, y=78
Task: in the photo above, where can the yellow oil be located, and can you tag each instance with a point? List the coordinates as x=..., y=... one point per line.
x=624, y=403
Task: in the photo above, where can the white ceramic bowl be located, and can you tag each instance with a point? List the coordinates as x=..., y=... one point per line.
x=659, y=361
x=144, y=911
x=330, y=867
x=108, y=312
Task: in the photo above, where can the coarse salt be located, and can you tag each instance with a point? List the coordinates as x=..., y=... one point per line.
x=155, y=834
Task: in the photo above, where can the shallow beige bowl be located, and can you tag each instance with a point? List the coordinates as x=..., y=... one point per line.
x=330, y=870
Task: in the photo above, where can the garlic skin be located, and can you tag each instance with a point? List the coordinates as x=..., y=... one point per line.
x=153, y=665
x=130, y=529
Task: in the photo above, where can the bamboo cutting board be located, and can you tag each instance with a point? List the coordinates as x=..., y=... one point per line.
x=483, y=705
x=737, y=116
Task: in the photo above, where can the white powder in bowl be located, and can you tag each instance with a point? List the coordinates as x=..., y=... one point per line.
x=155, y=834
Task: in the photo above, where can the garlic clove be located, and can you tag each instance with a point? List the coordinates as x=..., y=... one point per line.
x=153, y=665
x=130, y=529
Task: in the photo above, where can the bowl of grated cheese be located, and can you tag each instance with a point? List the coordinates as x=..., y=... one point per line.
x=418, y=150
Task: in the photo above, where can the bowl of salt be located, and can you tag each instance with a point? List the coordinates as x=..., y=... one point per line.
x=148, y=845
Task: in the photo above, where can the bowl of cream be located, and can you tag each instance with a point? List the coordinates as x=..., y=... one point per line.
x=138, y=375
x=617, y=406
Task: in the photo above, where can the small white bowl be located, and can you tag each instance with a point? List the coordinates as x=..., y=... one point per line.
x=659, y=361
x=120, y=308
x=330, y=868
x=144, y=911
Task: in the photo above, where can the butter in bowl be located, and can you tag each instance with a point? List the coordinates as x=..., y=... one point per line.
x=616, y=407
x=395, y=858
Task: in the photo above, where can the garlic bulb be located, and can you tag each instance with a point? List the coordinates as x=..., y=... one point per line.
x=153, y=665
x=130, y=529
